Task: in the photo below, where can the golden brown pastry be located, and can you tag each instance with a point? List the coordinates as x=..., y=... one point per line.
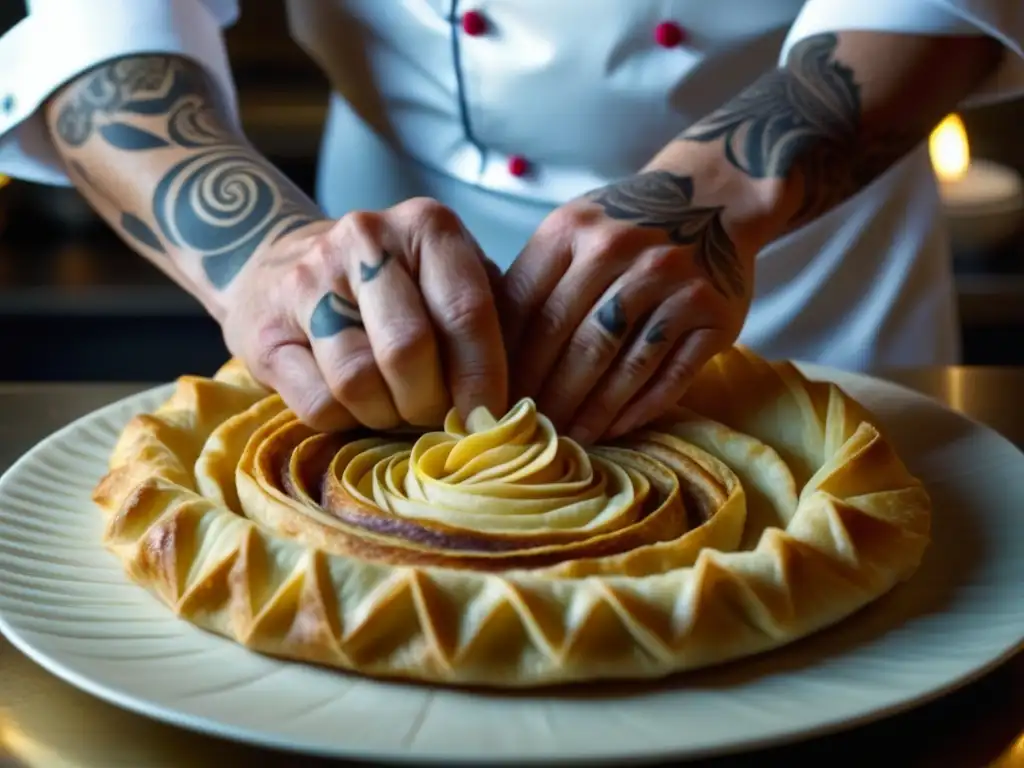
x=495, y=552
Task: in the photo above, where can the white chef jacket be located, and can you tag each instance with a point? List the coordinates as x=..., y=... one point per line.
x=579, y=94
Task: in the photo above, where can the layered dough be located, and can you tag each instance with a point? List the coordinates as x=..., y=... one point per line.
x=496, y=552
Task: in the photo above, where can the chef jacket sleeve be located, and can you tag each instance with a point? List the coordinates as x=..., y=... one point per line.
x=1000, y=19
x=60, y=39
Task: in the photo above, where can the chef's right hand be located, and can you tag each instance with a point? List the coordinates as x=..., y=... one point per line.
x=374, y=319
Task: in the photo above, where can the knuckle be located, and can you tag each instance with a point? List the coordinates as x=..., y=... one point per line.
x=402, y=347
x=266, y=342
x=475, y=379
x=702, y=295
x=313, y=407
x=635, y=366
x=568, y=218
x=365, y=225
x=663, y=260
x=354, y=378
x=560, y=227
x=262, y=363
x=551, y=319
x=615, y=237
x=306, y=274
x=678, y=372
x=612, y=245
x=428, y=212
x=592, y=347
x=466, y=313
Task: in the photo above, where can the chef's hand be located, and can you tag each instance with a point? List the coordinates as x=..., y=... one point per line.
x=618, y=300
x=377, y=318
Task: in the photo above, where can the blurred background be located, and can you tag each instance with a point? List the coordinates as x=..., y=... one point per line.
x=77, y=305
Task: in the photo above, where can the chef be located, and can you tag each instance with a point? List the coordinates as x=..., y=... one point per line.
x=580, y=201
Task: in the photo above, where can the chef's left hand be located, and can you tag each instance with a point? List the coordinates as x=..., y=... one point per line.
x=618, y=299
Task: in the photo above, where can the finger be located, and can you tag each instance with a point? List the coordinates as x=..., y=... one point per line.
x=494, y=275
x=397, y=326
x=343, y=353
x=669, y=384
x=640, y=360
x=596, y=343
x=459, y=300
x=293, y=372
x=496, y=280
x=552, y=325
x=634, y=368
x=529, y=281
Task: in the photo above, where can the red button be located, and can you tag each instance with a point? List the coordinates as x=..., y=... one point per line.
x=474, y=23
x=668, y=34
x=518, y=165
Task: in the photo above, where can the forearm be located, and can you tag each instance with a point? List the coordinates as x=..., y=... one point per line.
x=809, y=135
x=148, y=144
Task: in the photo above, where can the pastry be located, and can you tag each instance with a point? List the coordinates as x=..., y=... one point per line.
x=497, y=553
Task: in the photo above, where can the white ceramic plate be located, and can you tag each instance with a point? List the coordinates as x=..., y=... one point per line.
x=65, y=602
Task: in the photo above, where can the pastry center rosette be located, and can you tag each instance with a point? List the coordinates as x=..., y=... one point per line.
x=489, y=493
x=513, y=477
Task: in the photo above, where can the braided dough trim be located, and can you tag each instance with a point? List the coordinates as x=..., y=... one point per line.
x=859, y=525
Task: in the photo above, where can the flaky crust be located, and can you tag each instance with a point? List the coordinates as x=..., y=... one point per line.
x=766, y=508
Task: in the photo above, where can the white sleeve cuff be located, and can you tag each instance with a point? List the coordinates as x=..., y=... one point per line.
x=59, y=40
x=1000, y=19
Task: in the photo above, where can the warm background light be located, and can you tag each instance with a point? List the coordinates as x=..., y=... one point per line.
x=982, y=200
x=3, y=181
x=949, y=149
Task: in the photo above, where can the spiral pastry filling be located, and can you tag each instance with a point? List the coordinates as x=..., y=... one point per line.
x=487, y=494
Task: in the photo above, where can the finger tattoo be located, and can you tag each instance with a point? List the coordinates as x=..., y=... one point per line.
x=656, y=333
x=368, y=272
x=612, y=317
x=332, y=315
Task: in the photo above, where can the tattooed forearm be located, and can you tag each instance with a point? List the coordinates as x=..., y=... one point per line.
x=131, y=225
x=769, y=127
x=663, y=200
x=150, y=85
x=211, y=195
x=806, y=119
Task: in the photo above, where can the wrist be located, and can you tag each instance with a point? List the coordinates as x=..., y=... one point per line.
x=755, y=211
x=277, y=250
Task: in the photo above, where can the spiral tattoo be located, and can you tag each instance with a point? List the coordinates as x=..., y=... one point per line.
x=222, y=204
x=219, y=199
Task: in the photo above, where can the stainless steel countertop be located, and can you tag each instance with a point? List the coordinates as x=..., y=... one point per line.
x=46, y=722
